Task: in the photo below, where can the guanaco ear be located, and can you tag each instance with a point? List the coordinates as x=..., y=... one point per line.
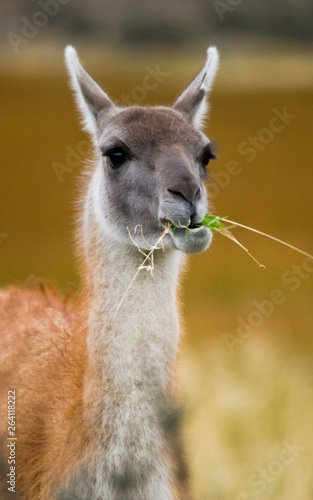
x=95, y=106
x=192, y=103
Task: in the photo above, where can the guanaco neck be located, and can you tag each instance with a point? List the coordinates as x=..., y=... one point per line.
x=132, y=339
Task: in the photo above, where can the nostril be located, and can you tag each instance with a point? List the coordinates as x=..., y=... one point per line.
x=191, y=204
x=181, y=196
x=177, y=194
x=191, y=198
x=197, y=195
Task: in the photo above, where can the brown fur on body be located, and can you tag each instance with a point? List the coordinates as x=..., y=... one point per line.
x=43, y=352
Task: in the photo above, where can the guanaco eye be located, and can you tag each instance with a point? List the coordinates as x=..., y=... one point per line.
x=207, y=155
x=116, y=158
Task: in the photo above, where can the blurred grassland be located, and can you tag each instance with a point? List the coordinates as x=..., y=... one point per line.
x=242, y=406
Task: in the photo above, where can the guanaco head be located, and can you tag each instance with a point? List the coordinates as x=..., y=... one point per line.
x=152, y=162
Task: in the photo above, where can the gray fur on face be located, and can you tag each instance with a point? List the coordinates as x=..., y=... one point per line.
x=161, y=181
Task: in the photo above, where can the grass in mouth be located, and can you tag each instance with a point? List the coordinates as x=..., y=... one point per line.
x=218, y=224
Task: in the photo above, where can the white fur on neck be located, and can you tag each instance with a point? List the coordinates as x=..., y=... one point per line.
x=134, y=352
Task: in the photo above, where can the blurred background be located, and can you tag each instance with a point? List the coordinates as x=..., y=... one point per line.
x=245, y=366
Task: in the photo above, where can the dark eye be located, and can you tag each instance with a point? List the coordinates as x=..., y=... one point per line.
x=116, y=158
x=207, y=156
x=205, y=160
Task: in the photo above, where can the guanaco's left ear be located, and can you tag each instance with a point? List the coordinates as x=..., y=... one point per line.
x=95, y=106
x=192, y=103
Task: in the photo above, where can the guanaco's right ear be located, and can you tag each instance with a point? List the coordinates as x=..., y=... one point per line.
x=95, y=106
x=192, y=103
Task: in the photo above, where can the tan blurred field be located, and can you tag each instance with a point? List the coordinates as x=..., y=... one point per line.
x=248, y=402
